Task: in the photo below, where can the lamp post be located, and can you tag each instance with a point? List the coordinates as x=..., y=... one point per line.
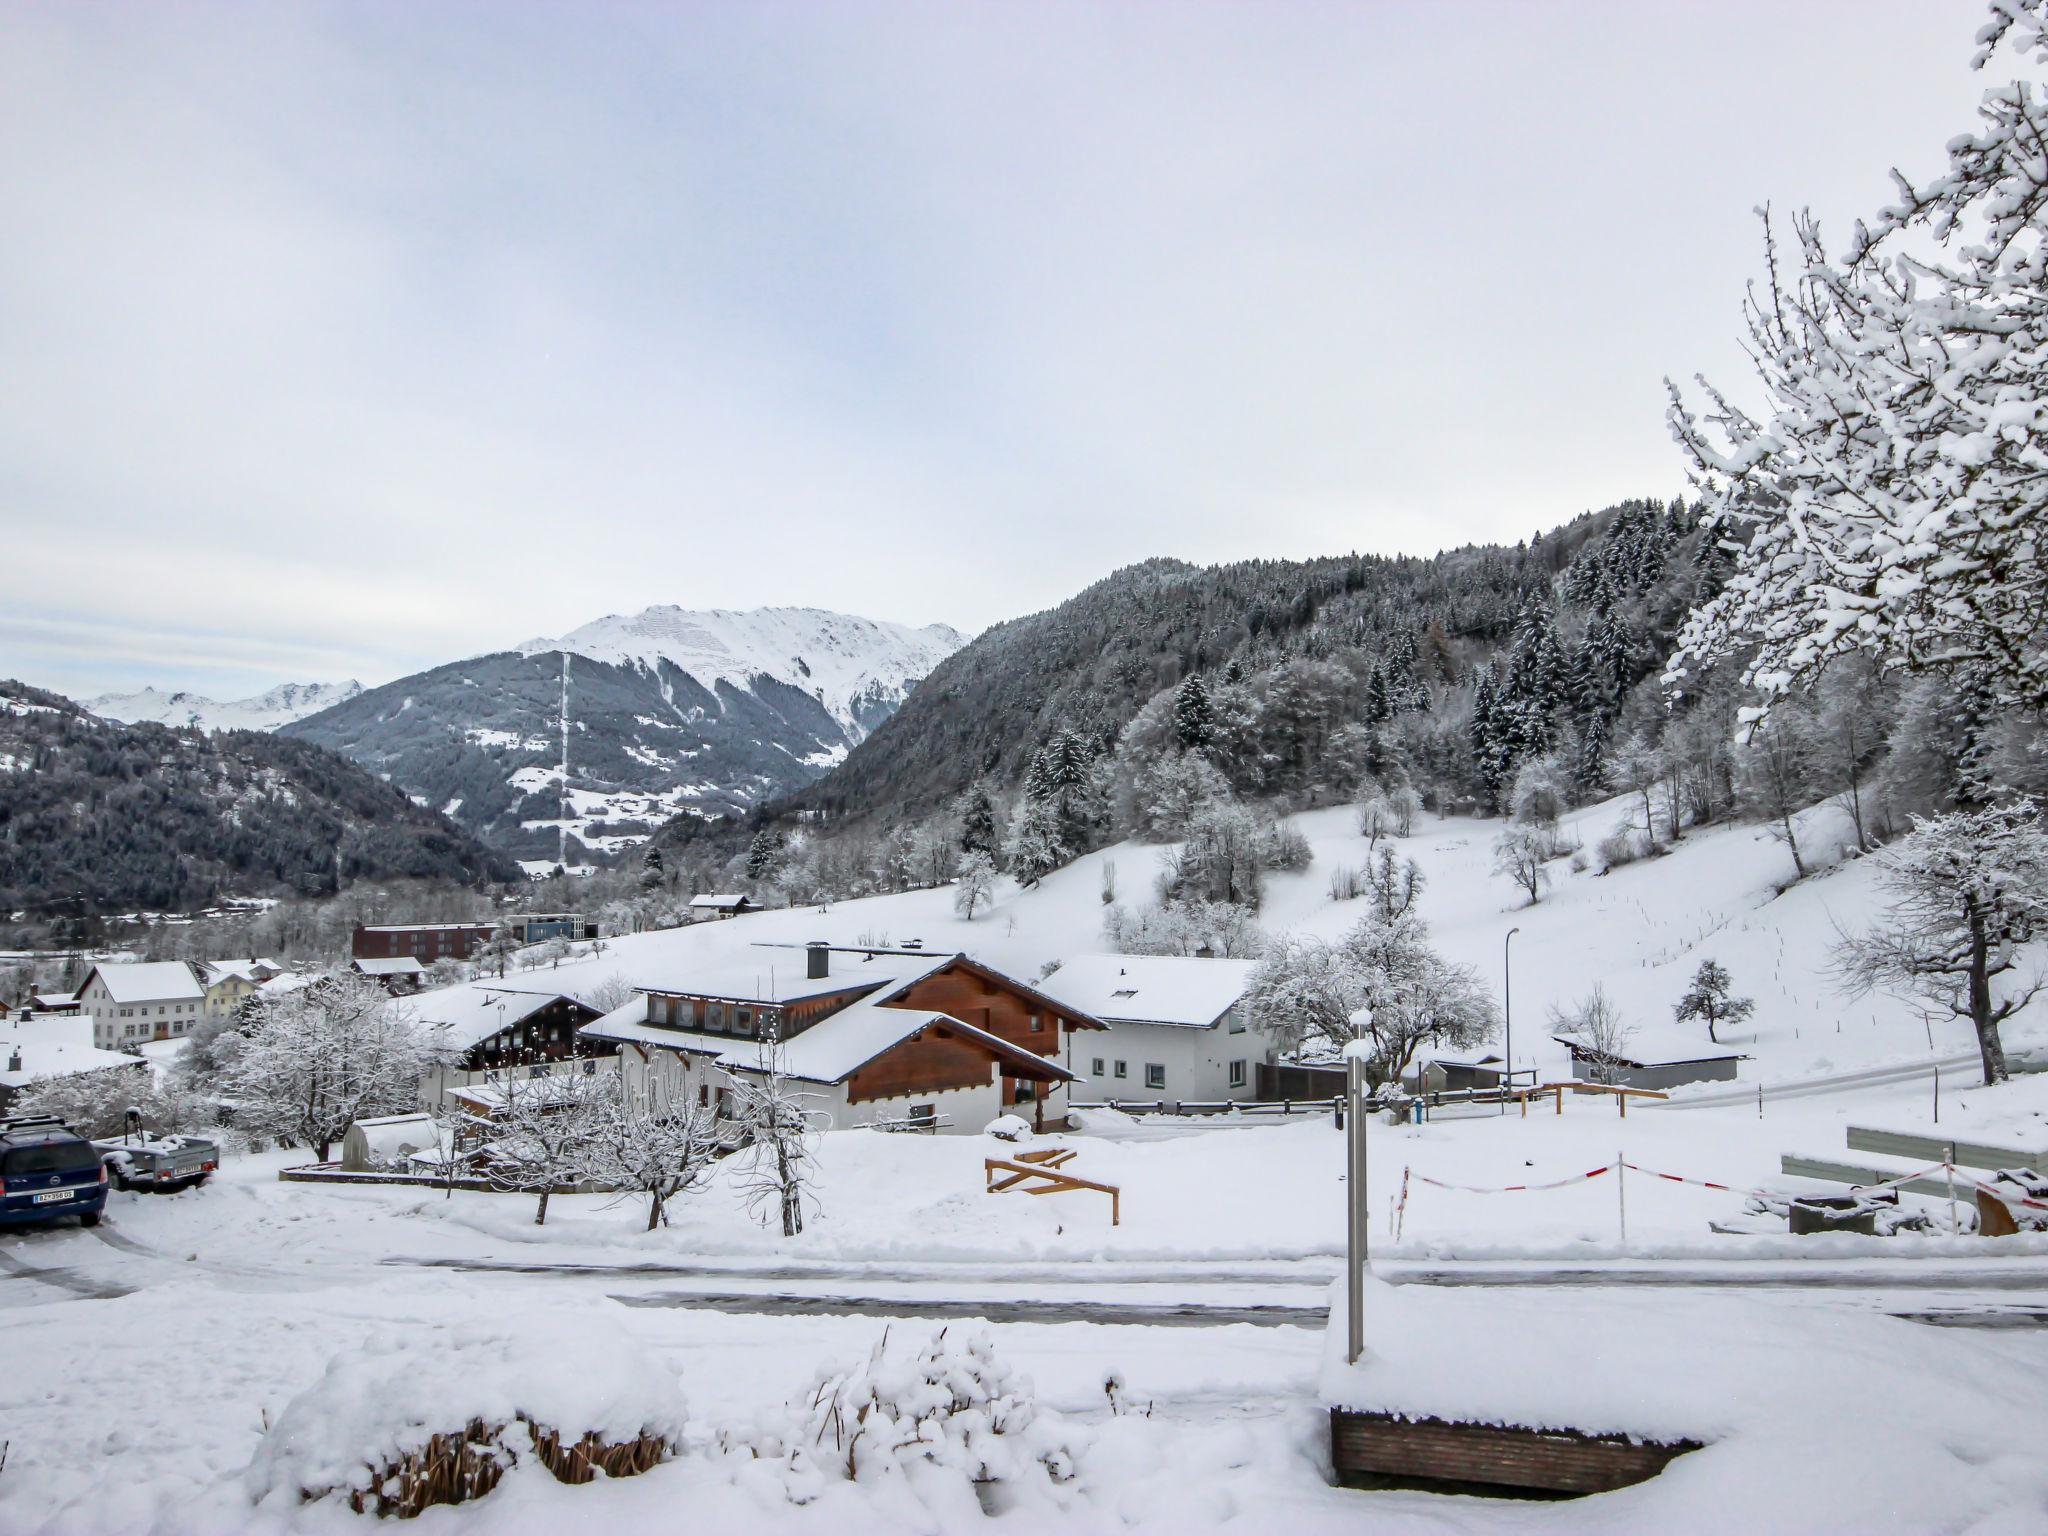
x=1357, y=1207
x=1507, y=997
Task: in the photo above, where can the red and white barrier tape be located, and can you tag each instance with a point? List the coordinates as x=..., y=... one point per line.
x=1515, y=1189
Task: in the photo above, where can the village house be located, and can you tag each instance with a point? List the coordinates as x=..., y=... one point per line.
x=486, y=1031
x=709, y=908
x=231, y=983
x=141, y=1000
x=897, y=1038
x=424, y=942
x=396, y=974
x=1652, y=1059
x=36, y=1049
x=539, y=927
x=1175, y=1027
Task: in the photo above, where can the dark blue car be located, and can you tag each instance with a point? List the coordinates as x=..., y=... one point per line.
x=46, y=1172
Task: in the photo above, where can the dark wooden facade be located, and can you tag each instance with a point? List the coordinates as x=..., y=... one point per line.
x=934, y=1060
x=548, y=1035
x=1385, y=1450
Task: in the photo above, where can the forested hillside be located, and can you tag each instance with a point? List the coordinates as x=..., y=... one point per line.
x=97, y=817
x=1310, y=676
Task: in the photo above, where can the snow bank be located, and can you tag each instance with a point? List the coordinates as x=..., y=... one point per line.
x=578, y=1375
x=1803, y=1421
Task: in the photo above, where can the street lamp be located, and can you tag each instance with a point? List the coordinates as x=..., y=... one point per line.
x=1507, y=996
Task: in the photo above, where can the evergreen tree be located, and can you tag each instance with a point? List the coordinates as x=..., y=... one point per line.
x=1194, y=722
x=764, y=854
x=978, y=821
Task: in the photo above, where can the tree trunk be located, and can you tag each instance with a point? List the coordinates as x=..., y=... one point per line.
x=540, y=1211
x=1792, y=842
x=1989, y=1046
x=653, y=1209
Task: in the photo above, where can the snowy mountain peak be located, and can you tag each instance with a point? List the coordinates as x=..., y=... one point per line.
x=264, y=712
x=849, y=664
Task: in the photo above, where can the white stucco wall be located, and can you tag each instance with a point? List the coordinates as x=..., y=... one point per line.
x=1197, y=1062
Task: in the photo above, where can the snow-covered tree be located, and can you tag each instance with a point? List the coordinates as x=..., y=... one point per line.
x=653, y=876
x=1890, y=497
x=1394, y=884
x=1521, y=854
x=1036, y=845
x=1194, y=723
x=764, y=854
x=318, y=1058
x=776, y=1169
x=1968, y=889
x=1406, y=806
x=1709, y=1002
x=654, y=1143
x=1170, y=792
x=975, y=883
x=1541, y=793
x=1375, y=818
x=1602, y=1033
x=1636, y=766
x=1773, y=776
x=543, y=1132
x=1381, y=983
x=97, y=1103
x=1184, y=928
x=977, y=810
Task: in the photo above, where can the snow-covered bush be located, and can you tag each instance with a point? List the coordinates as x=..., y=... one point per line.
x=942, y=1430
x=438, y=1415
x=1619, y=846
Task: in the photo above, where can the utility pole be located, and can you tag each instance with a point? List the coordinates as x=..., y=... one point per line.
x=1507, y=998
x=1356, y=1204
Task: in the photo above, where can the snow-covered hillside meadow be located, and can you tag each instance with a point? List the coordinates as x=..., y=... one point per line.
x=1178, y=1357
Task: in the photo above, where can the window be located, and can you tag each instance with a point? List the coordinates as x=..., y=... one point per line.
x=1121, y=1070
x=1037, y=1025
x=743, y=1021
x=1096, y=1070
x=714, y=1017
x=1155, y=1074
x=1237, y=1074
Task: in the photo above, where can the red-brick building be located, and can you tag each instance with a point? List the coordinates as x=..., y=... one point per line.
x=424, y=942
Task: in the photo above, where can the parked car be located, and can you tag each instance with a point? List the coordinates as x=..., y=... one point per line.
x=48, y=1171
x=158, y=1163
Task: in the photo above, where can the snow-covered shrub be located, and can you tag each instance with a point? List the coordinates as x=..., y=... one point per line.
x=1347, y=884
x=1287, y=848
x=438, y=1415
x=943, y=1429
x=1619, y=847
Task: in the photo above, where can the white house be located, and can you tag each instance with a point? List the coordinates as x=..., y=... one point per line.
x=231, y=983
x=1176, y=1027
x=718, y=904
x=142, y=1000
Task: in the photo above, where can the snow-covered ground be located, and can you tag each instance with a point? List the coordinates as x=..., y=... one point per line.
x=147, y=1358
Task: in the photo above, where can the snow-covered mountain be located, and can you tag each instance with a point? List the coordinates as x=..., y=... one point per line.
x=859, y=669
x=670, y=711
x=264, y=712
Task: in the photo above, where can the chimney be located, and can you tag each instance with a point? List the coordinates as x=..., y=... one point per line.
x=14, y=1061
x=818, y=955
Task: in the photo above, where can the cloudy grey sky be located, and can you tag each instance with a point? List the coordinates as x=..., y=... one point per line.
x=340, y=341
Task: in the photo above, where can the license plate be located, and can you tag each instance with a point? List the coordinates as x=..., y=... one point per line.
x=53, y=1195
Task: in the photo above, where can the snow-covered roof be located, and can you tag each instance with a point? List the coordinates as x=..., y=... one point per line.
x=148, y=981
x=721, y=900
x=54, y=999
x=48, y=1050
x=766, y=973
x=396, y=965
x=253, y=969
x=462, y=1016
x=1149, y=989
x=830, y=1051
x=392, y=1136
x=1655, y=1048
x=422, y=927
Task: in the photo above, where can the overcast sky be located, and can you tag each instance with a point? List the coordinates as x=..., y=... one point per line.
x=346, y=341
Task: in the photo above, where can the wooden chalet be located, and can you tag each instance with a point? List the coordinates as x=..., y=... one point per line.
x=486, y=1030
x=892, y=1037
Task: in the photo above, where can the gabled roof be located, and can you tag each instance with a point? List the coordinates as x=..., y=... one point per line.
x=147, y=981
x=719, y=899
x=396, y=965
x=254, y=969
x=47, y=1052
x=1149, y=989
x=465, y=1016
x=1651, y=1053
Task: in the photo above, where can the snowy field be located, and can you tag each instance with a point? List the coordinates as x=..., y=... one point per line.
x=148, y=1359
